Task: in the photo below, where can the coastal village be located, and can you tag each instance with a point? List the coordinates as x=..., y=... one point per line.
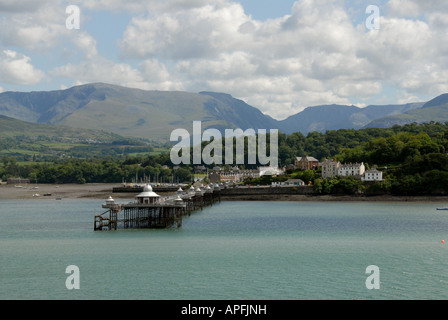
x=330, y=168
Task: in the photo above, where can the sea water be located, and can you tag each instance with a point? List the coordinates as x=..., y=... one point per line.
x=231, y=250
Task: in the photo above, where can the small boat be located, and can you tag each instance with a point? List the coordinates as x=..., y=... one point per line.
x=441, y=208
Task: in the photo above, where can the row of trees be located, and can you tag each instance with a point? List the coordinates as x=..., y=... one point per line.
x=351, y=145
x=94, y=171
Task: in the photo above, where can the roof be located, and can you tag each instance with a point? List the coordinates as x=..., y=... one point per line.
x=330, y=161
x=148, y=193
x=373, y=171
x=346, y=165
x=307, y=159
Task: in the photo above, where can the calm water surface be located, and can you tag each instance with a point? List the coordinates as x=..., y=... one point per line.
x=232, y=250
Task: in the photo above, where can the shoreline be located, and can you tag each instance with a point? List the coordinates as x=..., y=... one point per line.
x=104, y=190
x=63, y=191
x=338, y=198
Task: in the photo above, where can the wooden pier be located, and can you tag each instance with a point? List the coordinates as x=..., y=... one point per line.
x=153, y=211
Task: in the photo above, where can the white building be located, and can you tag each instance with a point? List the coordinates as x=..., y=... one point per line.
x=373, y=175
x=269, y=171
x=330, y=168
x=294, y=182
x=288, y=183
x=352, y=170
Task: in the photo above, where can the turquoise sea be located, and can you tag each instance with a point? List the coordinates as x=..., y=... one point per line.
x=230, y=251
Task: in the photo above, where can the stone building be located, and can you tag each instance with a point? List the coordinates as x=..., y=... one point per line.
x=330, y=168
x=306, y=163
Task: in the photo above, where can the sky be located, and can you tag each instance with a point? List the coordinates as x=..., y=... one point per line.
x=278, y=56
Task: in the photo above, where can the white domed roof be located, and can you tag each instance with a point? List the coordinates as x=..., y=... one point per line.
x=148, y=193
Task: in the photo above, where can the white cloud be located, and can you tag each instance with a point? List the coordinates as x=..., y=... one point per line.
x=416, y=8
x=15, y=68
x=157, y=77
x=34, y=28
x=196, y=33
x=154, y=6
x=99, y=70
x=20, y=6
x=86, y=43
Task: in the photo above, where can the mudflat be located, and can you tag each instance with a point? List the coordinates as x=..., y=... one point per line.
x=73, y=191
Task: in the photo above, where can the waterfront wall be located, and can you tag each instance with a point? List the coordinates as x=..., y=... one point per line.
x=265, y=192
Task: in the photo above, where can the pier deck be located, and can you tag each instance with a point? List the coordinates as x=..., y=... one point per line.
x=164, y=213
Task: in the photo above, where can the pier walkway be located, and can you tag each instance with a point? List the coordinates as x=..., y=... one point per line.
x=151, y=210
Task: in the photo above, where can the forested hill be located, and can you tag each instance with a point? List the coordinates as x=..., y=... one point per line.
x=413, y=158
x=346, y=143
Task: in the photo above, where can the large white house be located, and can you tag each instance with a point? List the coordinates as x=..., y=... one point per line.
x=352, y=170
x=373, y=175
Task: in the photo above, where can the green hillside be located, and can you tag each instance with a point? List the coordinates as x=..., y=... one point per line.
x=147, y=115
x=439, y=113
x=434, y=110
x=29, y=141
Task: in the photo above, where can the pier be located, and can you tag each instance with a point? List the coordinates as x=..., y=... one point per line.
x=150, y=210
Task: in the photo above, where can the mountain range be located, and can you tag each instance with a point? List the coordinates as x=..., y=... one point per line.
x=153, y=115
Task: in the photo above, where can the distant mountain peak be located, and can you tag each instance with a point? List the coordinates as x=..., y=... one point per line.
x=438, y=101
x=216, y=94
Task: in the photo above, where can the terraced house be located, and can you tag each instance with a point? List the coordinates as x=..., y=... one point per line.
x=352, y=169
